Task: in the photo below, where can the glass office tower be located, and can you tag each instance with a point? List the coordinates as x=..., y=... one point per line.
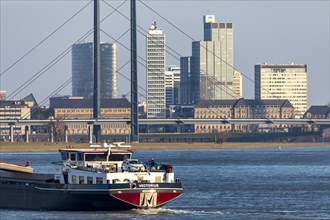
x=82, y=70
x=212, y=61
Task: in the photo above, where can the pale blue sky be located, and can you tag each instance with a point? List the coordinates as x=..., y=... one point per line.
x=264, y=32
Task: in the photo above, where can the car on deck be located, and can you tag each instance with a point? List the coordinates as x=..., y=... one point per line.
x=132, y=165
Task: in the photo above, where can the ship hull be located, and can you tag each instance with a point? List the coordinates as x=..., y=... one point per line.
x=25, y=193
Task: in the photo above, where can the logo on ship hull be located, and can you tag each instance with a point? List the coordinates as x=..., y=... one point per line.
x=148, y=199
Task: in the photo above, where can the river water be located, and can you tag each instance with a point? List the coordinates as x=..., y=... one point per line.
x=220, y=184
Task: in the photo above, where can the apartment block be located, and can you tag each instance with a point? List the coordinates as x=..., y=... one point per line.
x=13, y=109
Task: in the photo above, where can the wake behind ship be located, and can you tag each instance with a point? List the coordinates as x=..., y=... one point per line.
x=99, y=178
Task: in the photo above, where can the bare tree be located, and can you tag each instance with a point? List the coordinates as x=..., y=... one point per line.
x=57, y=127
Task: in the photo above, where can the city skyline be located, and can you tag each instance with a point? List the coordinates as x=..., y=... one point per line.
x=282, y=42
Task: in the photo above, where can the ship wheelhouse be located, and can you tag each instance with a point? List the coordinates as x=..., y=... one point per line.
x=96, y=155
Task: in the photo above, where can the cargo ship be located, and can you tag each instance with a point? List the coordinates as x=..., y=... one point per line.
x=103, y=177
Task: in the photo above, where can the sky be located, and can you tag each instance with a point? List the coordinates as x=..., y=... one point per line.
x=264, y=32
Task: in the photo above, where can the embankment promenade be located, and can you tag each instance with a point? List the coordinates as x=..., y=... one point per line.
x=48, y=147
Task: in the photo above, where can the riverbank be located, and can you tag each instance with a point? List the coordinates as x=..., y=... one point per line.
x=47, y=147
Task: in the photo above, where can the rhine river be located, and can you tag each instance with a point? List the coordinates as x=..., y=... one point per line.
x=287, y=183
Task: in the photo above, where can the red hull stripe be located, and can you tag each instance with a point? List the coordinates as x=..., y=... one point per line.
x=131, y=198
x=164, y=197
x=134, y=198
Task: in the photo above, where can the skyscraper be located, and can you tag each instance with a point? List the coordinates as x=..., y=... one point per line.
x=212, y=61
x=185, y=81
x=283, y=81
x=156, y=97
x=82, y=70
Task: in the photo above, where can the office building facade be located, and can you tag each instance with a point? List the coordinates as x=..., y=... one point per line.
x=241, y=109
x=172, y=85
x=82, y=70
x=82, y=108
x=212, y=61
x=13, y=109
x=156, y=95
x=283, y=81
x=185, y=81
x=237, y=84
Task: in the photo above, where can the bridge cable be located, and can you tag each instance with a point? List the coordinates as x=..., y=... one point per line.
x=46, y=38
x=49, y=65
x=184, y=33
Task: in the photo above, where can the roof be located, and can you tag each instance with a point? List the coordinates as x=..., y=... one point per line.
x=245, y=102
x=208, y=103
x=290, y=65
x=66, y=102
x=318, y=110
x=41, y=113
x=30, y=98
x=279, y=102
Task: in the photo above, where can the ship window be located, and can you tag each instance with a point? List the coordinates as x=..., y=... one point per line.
x=80, y=156
x=64, y=155
x=119, y=157
x=81, y=180
x=99, y=180
x=74, y=179
x=89, y=180
x=73, y=156
x=95, y=157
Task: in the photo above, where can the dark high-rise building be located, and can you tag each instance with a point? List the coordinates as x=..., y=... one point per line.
x=82, y=70
x=185, y=81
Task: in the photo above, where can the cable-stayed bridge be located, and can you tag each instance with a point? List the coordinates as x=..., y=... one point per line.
x=98, y=119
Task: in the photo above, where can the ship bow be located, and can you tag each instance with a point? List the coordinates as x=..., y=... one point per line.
x=149, y=195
